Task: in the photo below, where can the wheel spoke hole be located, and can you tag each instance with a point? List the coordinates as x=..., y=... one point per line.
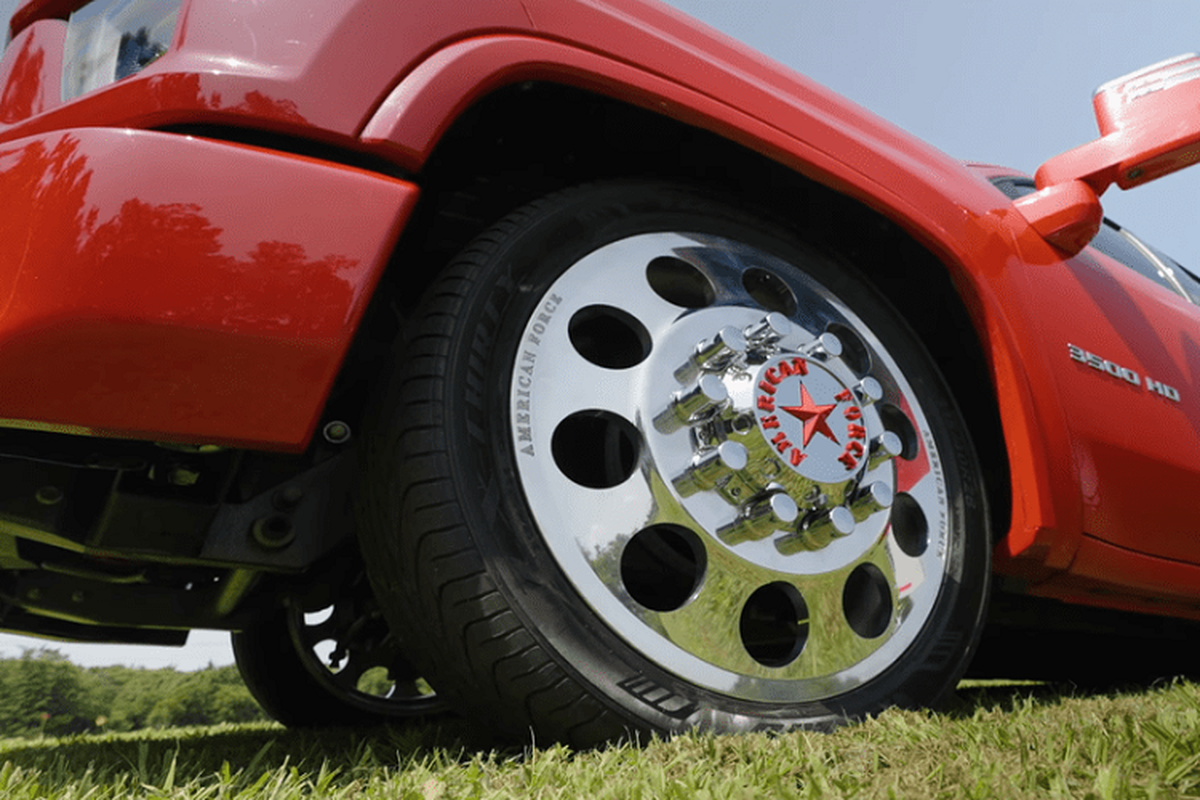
x=679, y=282
x=774, y=624
x=910, y=529
x=609, y=337
x=769, y=291
x=662, y=567
x=855, y=354
x=596, y=449
x=898, y=423
x=867, y=601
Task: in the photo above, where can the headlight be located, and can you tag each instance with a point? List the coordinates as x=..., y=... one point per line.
x=112, y=39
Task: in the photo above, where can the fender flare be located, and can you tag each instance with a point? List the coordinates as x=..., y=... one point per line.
x=849, y=158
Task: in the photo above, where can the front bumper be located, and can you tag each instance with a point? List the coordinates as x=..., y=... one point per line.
x=163, y=287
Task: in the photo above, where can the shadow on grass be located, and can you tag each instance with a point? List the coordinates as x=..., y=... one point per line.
x=222, y=753
x=1012, y=695
x=1014, y=667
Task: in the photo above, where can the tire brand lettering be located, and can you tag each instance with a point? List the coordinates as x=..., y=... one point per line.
x=935, y=467
x=1124, y=373
x=522, y=401
x=541, y=320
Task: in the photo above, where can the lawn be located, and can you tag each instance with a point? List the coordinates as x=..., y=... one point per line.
x=996, y=740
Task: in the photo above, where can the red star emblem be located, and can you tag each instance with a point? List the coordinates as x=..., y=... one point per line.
x=813, y=416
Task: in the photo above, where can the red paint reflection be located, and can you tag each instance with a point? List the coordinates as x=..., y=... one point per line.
x=125, y=312
x=164, y=261
x=23, y=90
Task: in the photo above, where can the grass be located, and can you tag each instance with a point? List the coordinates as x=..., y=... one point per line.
x=996, y=740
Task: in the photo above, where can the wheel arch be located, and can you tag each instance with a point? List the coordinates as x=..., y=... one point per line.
x=526, y=139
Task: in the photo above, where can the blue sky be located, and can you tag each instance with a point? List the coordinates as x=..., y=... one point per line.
x=1005, y=82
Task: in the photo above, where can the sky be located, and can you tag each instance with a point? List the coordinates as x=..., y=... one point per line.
x=1003, y=82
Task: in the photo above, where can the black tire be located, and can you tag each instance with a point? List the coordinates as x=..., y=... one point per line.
x=282, y=662
x=596, y=536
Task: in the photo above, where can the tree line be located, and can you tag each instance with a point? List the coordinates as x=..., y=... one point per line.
x=43, y=693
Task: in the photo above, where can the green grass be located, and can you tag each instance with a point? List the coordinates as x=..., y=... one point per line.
x=996, y=740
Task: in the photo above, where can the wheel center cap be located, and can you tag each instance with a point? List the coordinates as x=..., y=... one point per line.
x=810, y=418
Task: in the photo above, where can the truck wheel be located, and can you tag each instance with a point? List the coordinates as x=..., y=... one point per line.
x=339, y=666
x=649, y=463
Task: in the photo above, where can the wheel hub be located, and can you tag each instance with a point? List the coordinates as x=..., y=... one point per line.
x=778, y=433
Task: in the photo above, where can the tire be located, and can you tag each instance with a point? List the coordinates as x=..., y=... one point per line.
x=588, y=494
x=284, y=663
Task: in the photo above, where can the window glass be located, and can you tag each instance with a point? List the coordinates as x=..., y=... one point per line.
x=1113, y=244
x=1014, y=187
x=1110, y=240
x=1185, y=276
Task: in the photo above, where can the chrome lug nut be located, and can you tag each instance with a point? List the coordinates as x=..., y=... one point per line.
x=704, y=397
x=824, y=346
x=868, y=391
x=760, y=518
x=709, y=468
x=767, y=332
x=713, y=355
x=869, y=499
x=884, y=447
x=818, y=531
x=716, y=354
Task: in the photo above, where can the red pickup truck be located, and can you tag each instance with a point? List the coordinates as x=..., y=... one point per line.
x=564, y=363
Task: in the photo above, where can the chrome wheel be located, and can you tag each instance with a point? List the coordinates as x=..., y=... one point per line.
x=646, y=462
x=729, y=466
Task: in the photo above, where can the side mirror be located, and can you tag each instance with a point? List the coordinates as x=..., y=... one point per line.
x=1149, y=127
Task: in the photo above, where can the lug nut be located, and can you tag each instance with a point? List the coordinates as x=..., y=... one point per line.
x=884, y=447
x=818, y=531
x=868, y=391
x=824, y=346
x=760, y=518
x=768, y=331
x=869, y=499
x=706, y=396
x=713, y=355
x=709, y=468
